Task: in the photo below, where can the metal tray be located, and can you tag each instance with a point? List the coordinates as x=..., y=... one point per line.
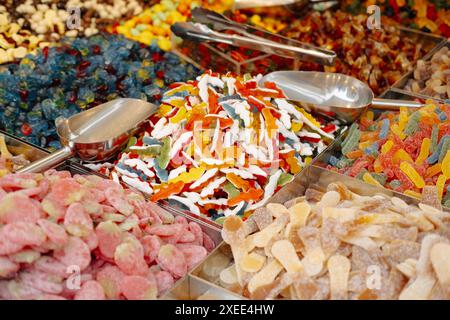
x=312, y=176
x=18, y=146
x=401, y=83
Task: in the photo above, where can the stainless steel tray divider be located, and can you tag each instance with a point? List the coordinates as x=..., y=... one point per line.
x=18, y=146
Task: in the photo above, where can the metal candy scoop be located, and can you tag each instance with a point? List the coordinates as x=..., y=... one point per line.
x=96, y=134
x=332, y=94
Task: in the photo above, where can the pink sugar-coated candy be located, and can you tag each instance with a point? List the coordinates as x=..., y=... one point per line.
x=166, y=230
x=50, y=265
x=151, y=246
x=3, y=193
x=13, y=182
x=129, y=257
x=74, y=253
x=37, y=192
x=109, y=237
x=172, y=260
x=53, y=207
x=91, y=240
x=24, y=233
x=7, y=267
x=208, y=243
x=103, y=184
x=164, y=280
x=7, y=247
x=186, y=236
x=77, y=221
x=110, y=278
x=59, y=174
x=194, y=254
x=181, y=220
x=108, y=209
x=165, y=216
x=139, y=288
x=18, y=290
x=198, y=233
x=42, y=281
x=16, y=207
x=118, y=201
x=66, y=191
x=90, y=290
x=54, y=232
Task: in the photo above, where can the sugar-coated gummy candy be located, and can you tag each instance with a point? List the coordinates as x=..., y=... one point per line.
x=171, y=259
x=139, y=287
x=129, y=257
x=7, y=267
x=193, y=254
x=74, y=253
x=23, y=233
x=110, y=278
x=54, y=232
x=15, y=207
x=77, y=222
x=164, y=281
x=109, y=237
x=90, y=290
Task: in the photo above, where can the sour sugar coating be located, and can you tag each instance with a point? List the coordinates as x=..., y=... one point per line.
x=121, y=247
x=329, y=243
x=222, y=145
x=404, y=151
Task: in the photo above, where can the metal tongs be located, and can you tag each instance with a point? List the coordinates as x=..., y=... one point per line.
x=200, y=31
x=293, y=5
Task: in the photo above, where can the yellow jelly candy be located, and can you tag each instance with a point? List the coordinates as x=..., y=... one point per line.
x=164, y=109
x=387, y=146
x=396, y=130
x=424, y=151
x=296, y=126
x=367, y=177
x=369, y=115
x=403, y=119
x=402, y=155
x=308, y=160
x=446, y=165
x=179, y=116
x=433, y=170
x=188, y=177
x=440, y=184
x=412, y=174
x=377, y=167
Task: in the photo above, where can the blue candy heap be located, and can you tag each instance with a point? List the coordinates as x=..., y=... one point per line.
x=80, y=74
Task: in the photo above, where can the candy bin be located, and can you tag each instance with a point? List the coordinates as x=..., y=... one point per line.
x=406, y=151
x=221, y=145
x=79, y=74
x=69, y=220
x=320, y=237
x=376, y=57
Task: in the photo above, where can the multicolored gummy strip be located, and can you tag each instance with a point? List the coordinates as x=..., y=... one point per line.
x=222, y=145
x=404, y=151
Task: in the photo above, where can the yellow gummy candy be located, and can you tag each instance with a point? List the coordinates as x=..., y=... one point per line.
x=308, y=160
x=296, y=126
x=396, y=130
x=369, y=115
x=403, y=119
x=188, y=177
x=387, y=146
x=412, y=174
x=446, y=165
x=164, y=109
x=309, y=117
x=179, y=116
x=365, y=144
x=377, y=167
x=424, y=151
x=402, y=155
x=440, y=184
x=367, y=177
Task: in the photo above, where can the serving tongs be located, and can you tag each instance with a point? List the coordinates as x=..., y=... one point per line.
x=207, y=20
x=247, y=4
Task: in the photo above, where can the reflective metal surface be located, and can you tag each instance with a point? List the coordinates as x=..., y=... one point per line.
x=201, y=32
x=333, y=94
x=98, y=133
x=17, y=146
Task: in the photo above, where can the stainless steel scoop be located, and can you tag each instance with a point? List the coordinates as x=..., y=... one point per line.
x=333, y=94
x=96, y=134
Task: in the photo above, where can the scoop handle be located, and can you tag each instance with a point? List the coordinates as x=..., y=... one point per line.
x=393, y=104
x=49, y=161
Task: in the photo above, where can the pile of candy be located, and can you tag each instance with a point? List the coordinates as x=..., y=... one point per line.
x=85, y=237
x=335, y=245
x=432, y=78
x=222, y=145
x=8, y=161
x=82, y=73
x=403, y=151
x=154, y=23
x=427, y=15
x=27, y=23
x=376, y=57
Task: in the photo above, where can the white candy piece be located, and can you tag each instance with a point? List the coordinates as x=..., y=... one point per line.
x=339, y=270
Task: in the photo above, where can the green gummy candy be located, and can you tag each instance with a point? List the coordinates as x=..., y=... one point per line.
x=413, y=123
x=380, y=177
x=152, y=151
x=344, y=163
x=131, y=142
x=285, y=178
x=434, y=139
x=445, y=148
x=447, y=204
x=231, y=190
x=163, y=158
x=361, y=174
x=220, y=220
x=352, y=142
